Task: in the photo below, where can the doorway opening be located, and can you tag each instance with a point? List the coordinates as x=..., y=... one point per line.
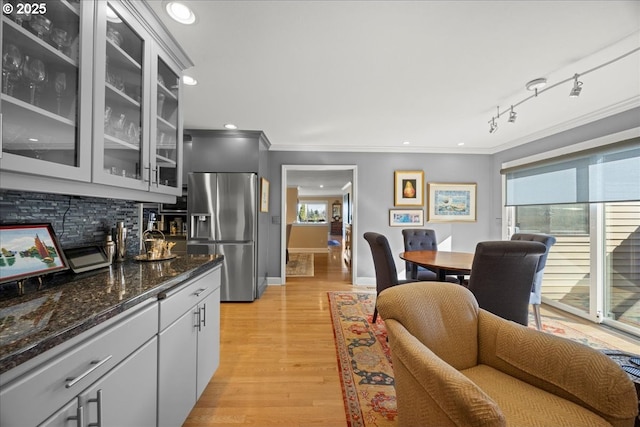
x=318, y=219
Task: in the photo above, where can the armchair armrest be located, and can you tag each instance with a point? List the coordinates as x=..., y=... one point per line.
x=558, y=365
x=431, y=392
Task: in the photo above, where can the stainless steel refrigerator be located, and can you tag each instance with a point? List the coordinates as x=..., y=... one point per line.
x=223, y=219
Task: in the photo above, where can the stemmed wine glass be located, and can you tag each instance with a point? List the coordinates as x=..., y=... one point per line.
x=60, y=85
x=35, y=73
x=11, y=63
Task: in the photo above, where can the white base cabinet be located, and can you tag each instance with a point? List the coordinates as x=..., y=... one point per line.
x=125, y=396
x=188, y=347
x=143, y=368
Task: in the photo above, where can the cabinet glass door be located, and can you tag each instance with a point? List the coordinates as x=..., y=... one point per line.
x=167, y=129
x=123, y=98
x=41, y=80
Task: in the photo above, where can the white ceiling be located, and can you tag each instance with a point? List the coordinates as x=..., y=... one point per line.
x=366, y=76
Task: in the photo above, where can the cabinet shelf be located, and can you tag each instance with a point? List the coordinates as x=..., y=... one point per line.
x=122, y=96
x=11, y=102
x=118, y=57
x=113, y=143
x=165, y=126
x=167, y=92
x=33, y=46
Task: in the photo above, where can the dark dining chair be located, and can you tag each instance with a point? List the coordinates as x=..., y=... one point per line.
x=422, y=239
x=536, y=289
x=385, y=267
x=501, y=276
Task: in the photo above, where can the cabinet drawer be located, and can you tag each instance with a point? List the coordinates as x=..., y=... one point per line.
x=183, y=297
x=34, y=396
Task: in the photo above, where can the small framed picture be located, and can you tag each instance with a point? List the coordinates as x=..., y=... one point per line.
x=408, y=188
x=451, y=202
x=264, y=195
x=406, y=217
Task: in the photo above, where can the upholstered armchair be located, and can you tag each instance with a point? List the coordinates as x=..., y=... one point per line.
x=536, y=290
x=458, y=365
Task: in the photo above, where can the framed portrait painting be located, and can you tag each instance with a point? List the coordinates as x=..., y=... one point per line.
x=408, y=188
x=406, y=217
x=264, y=195
x=451, y=202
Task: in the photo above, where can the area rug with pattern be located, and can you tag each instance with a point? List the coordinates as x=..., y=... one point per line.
x=300, y=265
x=364, y=359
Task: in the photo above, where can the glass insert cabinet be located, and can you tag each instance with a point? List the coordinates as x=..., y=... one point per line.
x=91, y=92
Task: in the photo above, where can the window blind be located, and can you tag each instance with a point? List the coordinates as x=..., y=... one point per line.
x=609, y=173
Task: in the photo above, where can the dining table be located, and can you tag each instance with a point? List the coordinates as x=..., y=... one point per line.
x=443, y=263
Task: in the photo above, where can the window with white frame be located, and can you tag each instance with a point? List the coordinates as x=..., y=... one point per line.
x=312, y=211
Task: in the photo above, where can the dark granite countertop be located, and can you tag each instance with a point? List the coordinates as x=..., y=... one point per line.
x=68, y=304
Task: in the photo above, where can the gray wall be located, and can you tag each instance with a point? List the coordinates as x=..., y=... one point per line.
x=374, y=197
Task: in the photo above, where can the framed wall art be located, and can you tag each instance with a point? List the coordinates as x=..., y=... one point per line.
x=451, y=202
x=406, y=217
x=264, y=195
x=29, y=250
x=408, y=188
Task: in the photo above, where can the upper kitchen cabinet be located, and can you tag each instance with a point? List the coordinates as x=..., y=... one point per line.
x=137, y=132
x=46, y=88
x=91, y=96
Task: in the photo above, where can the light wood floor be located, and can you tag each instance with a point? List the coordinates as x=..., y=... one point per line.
x=278, y=362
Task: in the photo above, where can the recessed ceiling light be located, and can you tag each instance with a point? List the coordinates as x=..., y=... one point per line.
x=536, y=84
x=406, y=143
x=33, y=139
x=321, y=186
x=460, y=144
x=180, y=12
x=230, y=126
x=189, y=81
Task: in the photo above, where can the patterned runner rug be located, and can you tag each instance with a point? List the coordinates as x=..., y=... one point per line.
x=364, y=359
x=300, y=265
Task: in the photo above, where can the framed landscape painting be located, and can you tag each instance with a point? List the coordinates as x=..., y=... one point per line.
x=264, y=195
x=406, y=217
x=451, y=202
x=408, y=188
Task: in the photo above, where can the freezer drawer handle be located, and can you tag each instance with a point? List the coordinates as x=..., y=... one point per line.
x=96, y=364
x=199, y=291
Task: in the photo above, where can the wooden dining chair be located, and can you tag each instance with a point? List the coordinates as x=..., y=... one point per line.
x=384, y=265
x=501, y=276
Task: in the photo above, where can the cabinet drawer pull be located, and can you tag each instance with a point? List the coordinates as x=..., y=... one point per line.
x=203, y=315
x=96, y=364
x=79, y=416
x=199, y=291
x=98, y=401
x=198, y=320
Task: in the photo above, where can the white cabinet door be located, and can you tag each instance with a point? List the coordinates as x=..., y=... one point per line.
x=208, y=340
x=123, y=397
x=177, y=370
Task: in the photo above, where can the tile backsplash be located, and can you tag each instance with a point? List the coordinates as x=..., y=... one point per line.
x=77, y=221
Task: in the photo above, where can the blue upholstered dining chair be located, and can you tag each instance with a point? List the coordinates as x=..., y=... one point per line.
x=536, y=289
x=421, y=239
x=385, y=266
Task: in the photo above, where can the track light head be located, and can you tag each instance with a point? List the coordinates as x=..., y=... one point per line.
x=512, y=116
x=493, y=126
x=577, y=87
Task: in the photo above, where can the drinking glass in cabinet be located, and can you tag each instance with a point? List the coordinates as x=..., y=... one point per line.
x=11, y=64
x=60, y=86
x=61, y=39
x=41, y=25
x=35, y=74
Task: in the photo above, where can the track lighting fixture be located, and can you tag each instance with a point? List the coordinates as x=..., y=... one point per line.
x=577, y=87
x=538, y=86
x=493, y=126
